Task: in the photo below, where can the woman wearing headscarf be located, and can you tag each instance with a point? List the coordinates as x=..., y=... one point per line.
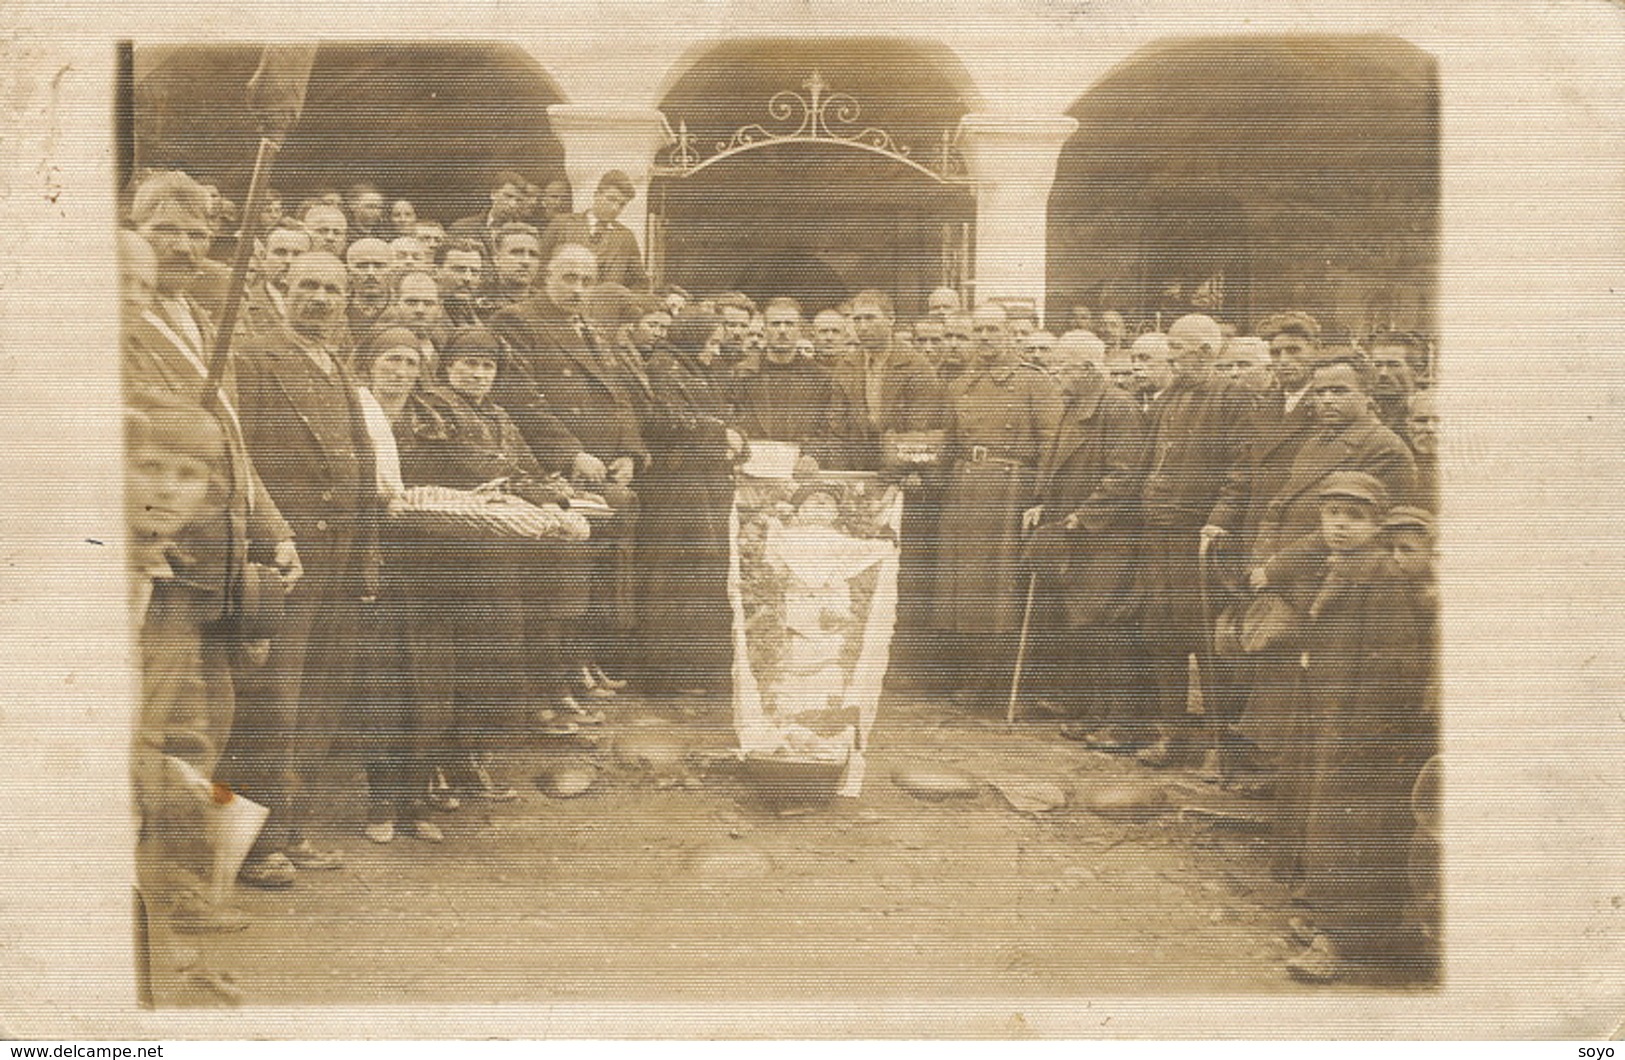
x=687, y=495
x=510, y=596
x=403, y=688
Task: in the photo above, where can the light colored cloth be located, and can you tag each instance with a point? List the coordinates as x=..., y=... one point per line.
x=388, y=456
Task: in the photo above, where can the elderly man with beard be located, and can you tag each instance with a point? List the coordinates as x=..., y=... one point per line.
x=1198, y=433
x=1002, y=419
x=302, y=418
x=1082, y=551
x=555, y=375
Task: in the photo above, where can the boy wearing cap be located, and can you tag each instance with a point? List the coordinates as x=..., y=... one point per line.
x=1367, y=735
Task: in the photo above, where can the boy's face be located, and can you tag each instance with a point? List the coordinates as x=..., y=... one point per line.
x=1347, y=524
x=164, y=491
x=818, y=510
x=1413, y=553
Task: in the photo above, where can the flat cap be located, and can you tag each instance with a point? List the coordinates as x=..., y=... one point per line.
x=1357, y=485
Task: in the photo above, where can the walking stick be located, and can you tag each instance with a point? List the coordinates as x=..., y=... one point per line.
x=1021, y=650
x=1207, y=656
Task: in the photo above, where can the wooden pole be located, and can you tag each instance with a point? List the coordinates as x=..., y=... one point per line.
x=239, y=271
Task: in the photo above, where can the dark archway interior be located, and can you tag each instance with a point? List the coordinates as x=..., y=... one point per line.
x=1305, y=170
x=426, y=122
x=815, y=221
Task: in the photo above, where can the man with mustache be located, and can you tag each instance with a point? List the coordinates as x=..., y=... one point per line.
x=302, y=417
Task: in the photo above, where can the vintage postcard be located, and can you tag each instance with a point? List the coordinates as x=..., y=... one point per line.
x=1036, y=518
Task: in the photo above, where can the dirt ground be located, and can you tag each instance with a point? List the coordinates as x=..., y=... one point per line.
x=670, y=880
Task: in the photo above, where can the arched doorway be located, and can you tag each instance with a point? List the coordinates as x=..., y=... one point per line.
x=799, y=171
x=1277, y=173
x=428, y=122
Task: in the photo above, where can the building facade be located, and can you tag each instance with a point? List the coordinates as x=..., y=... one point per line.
x=1045, y=157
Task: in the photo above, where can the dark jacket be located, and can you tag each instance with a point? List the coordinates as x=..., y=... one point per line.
x=619, y=258
x=911, y=399
x=456, y=443
x=1094, y=472
x=1368, y=446
x=798, y=402
x=1273, y=438
x=311, y=445
x=565, y=395
x=1198, y=433
x=156, y=360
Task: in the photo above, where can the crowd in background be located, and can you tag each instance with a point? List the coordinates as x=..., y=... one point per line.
x=1219, y=543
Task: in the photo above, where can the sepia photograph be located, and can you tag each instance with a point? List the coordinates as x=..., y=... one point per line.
x=695, y=510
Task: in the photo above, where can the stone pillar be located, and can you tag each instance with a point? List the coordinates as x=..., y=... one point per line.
x=599, y=137
x=1012, y=159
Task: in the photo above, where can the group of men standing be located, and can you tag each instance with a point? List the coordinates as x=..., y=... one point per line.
x=1110, y=498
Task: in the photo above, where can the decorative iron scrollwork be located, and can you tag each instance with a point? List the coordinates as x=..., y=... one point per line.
x=819, y=116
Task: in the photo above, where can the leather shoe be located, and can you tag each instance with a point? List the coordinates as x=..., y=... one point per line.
x=481, y=785
x=427, y=831
x=1318, y=963
x=1159, y=755
x=272, y=872
x=304, y=855
x=194, y=916
x=606, y=681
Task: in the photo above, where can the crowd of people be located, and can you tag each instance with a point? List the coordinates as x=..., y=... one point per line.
x=1219, y=544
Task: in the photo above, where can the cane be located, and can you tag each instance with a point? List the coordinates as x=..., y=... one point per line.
x=1207, y=658
x=1021, y=650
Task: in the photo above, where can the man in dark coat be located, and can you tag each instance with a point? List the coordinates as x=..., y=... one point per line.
x=620, y=260
x=1284, y=417
x=1002, y=421
x=167, y=342
x=569, y=399
x=887, y=391
x=1422, y=431
x=1364, y=662
x=1283, y=420
x=1347, y=437
x=786, y=398
x=302, y=418
x=507, y=206
x=1086, y=522
x=1198, y=433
